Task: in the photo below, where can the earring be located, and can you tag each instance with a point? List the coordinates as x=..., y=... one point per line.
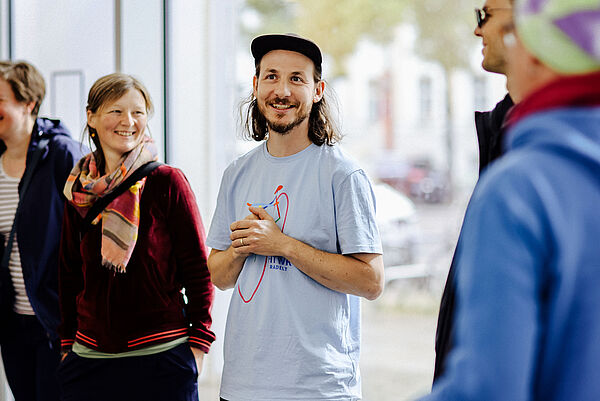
x=92, y=134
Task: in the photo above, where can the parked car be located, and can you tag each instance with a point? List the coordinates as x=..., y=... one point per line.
x=426, y=184
x=398, y=226
x=417, y=179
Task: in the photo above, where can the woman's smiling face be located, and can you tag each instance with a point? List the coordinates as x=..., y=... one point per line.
x=120, y=124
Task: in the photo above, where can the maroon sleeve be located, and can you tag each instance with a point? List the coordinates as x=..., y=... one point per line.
x=70, y=277
x=188, y=238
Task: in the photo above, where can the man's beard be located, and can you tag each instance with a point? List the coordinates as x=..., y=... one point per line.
x=283, y=129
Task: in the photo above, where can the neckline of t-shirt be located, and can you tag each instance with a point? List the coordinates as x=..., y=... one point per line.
x=285, y=159
x=3, y=173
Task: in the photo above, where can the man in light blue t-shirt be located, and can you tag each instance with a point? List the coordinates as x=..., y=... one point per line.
x=294, y=233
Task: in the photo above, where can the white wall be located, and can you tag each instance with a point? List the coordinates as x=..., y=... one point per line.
x=65, y=40
x=201, y=120
x=4, y=29
x=142, y=54
x=202, y=93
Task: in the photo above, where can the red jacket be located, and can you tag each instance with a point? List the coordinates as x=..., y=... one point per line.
x=118, y=312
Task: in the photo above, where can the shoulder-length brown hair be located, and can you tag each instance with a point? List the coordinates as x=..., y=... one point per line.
x=25, y=81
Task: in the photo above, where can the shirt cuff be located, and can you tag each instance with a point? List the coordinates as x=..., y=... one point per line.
x=201, y=338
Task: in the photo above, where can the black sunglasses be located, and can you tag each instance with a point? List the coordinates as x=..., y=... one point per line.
x=482, y=15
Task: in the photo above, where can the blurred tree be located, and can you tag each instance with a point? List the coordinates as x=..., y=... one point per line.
x=445, y=34
x=445, y=31
x=337, y=26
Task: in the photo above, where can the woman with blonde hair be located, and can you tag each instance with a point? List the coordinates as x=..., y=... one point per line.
x=132, y=240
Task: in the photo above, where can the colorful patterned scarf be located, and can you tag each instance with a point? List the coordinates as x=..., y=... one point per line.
x=121, y=218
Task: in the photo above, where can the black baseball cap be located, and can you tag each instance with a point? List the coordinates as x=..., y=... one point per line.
x=263, y=44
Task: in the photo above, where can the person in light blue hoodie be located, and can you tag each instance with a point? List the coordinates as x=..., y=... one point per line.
x=528, y=268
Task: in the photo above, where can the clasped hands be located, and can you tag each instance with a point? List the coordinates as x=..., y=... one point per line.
x=257, y=233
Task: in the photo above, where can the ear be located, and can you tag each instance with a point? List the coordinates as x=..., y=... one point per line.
x=91, y=119
x=29, y=106
x=319, y=90
x=254, y=85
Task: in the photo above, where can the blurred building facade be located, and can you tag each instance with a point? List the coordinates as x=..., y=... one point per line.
x=395, y=101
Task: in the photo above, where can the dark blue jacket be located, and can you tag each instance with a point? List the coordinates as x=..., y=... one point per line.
x=490, y=138
x=40, y=218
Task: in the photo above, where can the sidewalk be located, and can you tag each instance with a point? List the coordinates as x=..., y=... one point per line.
x=398, y=343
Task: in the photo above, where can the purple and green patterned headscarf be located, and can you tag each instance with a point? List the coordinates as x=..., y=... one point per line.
x=563, y=34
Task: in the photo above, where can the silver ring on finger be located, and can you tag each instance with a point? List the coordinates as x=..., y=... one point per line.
x=242, y=241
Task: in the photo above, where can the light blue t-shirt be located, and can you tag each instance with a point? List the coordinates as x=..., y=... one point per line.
x=287, y=336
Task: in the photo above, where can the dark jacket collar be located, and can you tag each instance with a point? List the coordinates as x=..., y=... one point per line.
x=42, y=127
x=489, y=131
